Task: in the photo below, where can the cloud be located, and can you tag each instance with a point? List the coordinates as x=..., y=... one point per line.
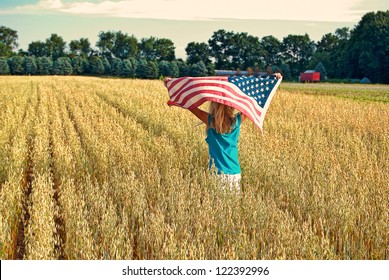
x=329, y=10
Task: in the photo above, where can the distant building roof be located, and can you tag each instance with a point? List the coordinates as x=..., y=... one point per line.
x=365, y=81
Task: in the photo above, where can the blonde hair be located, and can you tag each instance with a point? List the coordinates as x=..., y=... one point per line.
x=223, y=117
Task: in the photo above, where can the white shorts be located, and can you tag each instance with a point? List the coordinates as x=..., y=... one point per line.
x=231, y=181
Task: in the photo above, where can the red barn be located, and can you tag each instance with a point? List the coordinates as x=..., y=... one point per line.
x=310, y=76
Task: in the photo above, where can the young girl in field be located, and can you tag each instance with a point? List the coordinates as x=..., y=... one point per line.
x=223, y=129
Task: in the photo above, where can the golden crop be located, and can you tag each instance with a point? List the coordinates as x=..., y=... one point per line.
x=94, y=168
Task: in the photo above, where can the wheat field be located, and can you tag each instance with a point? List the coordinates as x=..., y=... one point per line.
x=99, y=168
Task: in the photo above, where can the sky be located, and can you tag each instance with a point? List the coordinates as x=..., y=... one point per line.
x=182, y=21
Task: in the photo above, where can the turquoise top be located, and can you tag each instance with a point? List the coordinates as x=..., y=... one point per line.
x=223, y=148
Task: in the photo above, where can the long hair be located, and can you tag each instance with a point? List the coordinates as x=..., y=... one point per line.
x=223, y=117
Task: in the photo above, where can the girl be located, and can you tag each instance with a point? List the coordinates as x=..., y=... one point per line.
x=223, y=128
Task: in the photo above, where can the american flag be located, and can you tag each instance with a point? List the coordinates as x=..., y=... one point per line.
x=251, y=95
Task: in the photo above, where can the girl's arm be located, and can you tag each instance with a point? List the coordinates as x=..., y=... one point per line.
x=200, y=114
x=244, y=117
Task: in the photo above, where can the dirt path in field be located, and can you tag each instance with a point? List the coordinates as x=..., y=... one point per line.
x=20, y=248
x=28, y=177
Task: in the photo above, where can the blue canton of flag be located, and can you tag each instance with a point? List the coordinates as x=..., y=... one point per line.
x=258, y=88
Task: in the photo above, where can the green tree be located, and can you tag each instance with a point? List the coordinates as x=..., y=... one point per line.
x=62, y=66
x=285, y=71
x=246, y=51
x=340, y=56
x=323, y=57
x=297, y=50
x=220, y=46
x=55, y=46
x=323, y=72
x=8, y=41
x=147, y=48
x=96, y=66
x=154, y=49
x=164, y=68
x=165, y=49
x=197, y=52
x=107, y=66
x=4, y=68
x=79, y=65
x=325, y=52
x=16, y=65
x=327, y=43
x=142, y=69
x=147, y=69
x=38, y=49
x=153, y=72
x=105, y=43
x=174, y=69
x=125, y=46
x=117, y=67
x=271, y=50
x=29, y=64
x=369, y=47
x=44, y=65
x=183, y=68
x=129, y=67
x=80, y=47
x=198, y=69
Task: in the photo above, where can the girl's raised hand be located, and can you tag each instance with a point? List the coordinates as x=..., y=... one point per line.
x=278, y=75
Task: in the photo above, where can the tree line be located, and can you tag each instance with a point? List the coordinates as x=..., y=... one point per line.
x=345, y=54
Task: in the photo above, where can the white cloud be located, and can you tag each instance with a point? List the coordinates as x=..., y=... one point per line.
x=51, y=4
x=329, y=10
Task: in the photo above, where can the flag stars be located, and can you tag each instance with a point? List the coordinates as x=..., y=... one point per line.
x=257, y=88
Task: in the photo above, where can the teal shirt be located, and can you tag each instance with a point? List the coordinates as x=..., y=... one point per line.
x=223, y=148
